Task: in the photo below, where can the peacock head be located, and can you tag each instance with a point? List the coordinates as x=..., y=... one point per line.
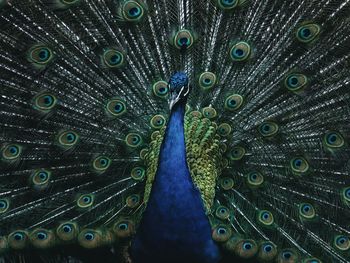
x=179, y=88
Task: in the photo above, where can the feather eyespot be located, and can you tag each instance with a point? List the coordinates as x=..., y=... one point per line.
x=267, y=251
x=113, y=58
x=90, y=238
x=40, y=56
x=342, y=243
x=268, y=129
x=209, y=112
x=226, y=183
x=18, y=239
x=138, y=173
x=40, y=179
x=227, y=4
x=123, y=228
x=333, y=139
x=237, y=153
x=4, y=205
x=116, y=107
x=132, y=11
x=307, y=211
x=45, y=102
x=265, y=218
x=288, y=255
x=295, y=82
x=67, y=231
x=133, y=140
x=233, y=102
x=221, y=233
x=67, y=139
x=240, y=51
x=222, y=212
x=311, y=260
x=246, y=248
x=299, y=165
x=11, y=152
x=207, y=80
x=345, y=195
x=133, y=201
x=160, y=89
x=42, y=238
x=86, y=200
x=308, y=32
x=183, y=39
x=101, y=163
x=255, y=179
x=158, y=121
x=224, y=129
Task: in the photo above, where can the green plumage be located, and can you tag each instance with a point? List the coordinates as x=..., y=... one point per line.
x=84, y=109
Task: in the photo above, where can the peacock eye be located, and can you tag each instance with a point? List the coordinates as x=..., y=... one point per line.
x=67, y=228
x=158, y=121
x=133, y=140
x=334, y=140
x=123, y=228
x=4, y=205
x=224, y=129
x=307, y=211
x=267, y=248
x=342, y=242
x=226, y=183
x=133, y=201
x=233, y=102
x=89, y=236
x=299, y=165
x=183, y=39
x=113, y=58
x=17, y=239
x=237, y=153
x=268, y=129
x=40, y=55
x=160, y=89
x=221, y=233
x=68, y=139
x=18, y=236
x=295, y=82
x=308, y=32
x=45, y=102
x=101, y=163
x=41, y=235
x=207, y=80
x=11, y=151
x=40, y=178
x=240, y=51
x=116, y=107
x=209, y=112
x=255, y=179
x=266, y=218
x=312, y=260
x=138, y=173
x=227, y=4
x=67, y=231
x=85, y=200
x=132, y=11
x=222, y=212
x=69, y=2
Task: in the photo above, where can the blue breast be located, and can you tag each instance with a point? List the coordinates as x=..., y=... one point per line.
x=174, y=227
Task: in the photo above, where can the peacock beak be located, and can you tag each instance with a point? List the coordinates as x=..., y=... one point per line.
x=177, y=96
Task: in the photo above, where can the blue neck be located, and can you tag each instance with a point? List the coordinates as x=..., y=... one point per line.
x=174, y=227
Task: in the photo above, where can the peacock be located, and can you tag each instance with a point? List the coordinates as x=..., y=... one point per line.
x=192, y=131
